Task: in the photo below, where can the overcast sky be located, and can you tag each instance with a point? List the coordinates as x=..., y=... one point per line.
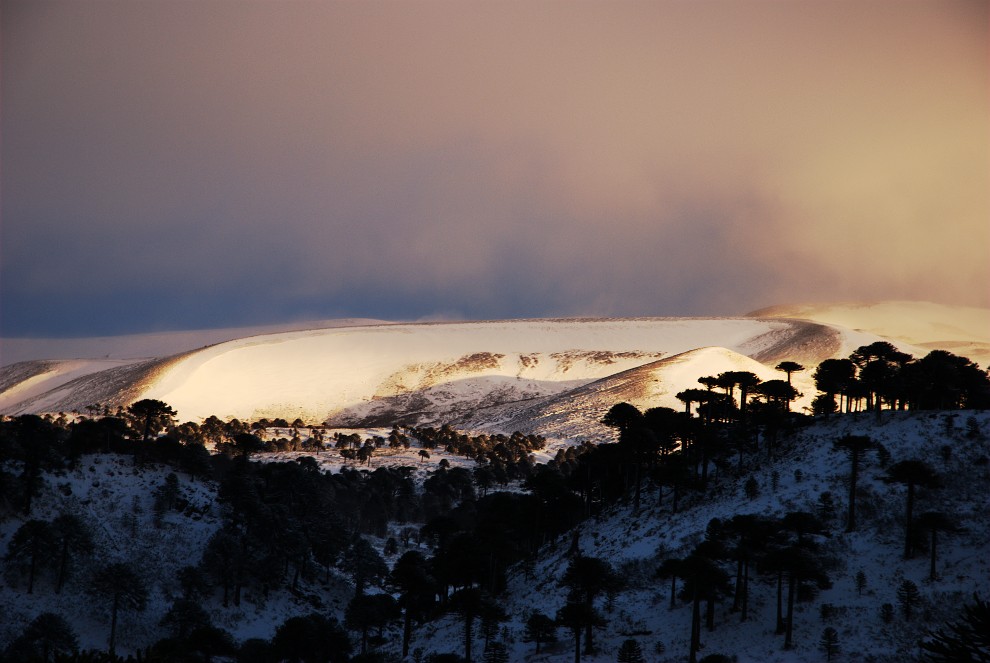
x=178, y=164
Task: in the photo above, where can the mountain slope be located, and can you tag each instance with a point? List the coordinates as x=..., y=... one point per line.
x=959, y=329
x=435, y=372
x=577, y=413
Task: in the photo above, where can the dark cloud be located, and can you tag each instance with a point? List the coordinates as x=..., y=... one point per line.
x=189, y=164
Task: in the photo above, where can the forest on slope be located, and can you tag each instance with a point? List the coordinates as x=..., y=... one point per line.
x=734, y=527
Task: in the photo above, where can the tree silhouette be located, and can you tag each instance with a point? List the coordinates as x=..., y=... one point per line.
x=123, y=588
x=33, y=543
x=630, y=652
x=311, y=639
x=151, y=416
x=689, y=396
x=671, y=568
x=778, y=392
x=911, y=473
x=471, y=603
x=879, y=363
x=829, y=642
x=967, y=639
x=703, y=579
x=909, y=597
x=224, y=561
x=855, y=447
x=801, y=563
x=587, y=578
x=416, y=587
x=48, y=636
x=368, y=611
x=578, y=616
x=746, y=536
x=935, y=522
x=72, y=538
x=38, y=445
x=540, y=629
x=941, y=380
x=789, y=367
x=834, y=376
x=247, y=444
x=364, y=563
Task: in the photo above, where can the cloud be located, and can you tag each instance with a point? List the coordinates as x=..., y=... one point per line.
x=210, y=163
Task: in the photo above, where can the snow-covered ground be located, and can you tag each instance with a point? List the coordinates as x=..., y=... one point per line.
x=114, y=497
x=635, y=543
x=962, y=330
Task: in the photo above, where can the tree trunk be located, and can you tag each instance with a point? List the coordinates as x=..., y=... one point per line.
x=931, y=574
x=407, y=634
x=31, y=571
x=853, y=476
x=695, y=627
x=780, y=594
x=791, y=582
x=907, y=526
x=737, y=594
x=577, y=645
x=62, y=564
x=589, y=643
x=745, y=593
x=113, y=625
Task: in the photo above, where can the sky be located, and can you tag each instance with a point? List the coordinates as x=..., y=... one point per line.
x=180, y=164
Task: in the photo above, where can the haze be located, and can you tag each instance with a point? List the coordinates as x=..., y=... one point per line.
x=181, y=165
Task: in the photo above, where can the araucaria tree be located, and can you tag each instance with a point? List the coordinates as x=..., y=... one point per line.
x=32, y=545
x=935, y=522
x=151, y=416
x=911, y=473
x=588, y=578
x=123, y=588
x=576, y=615
x=855, y=447
x=540, y=629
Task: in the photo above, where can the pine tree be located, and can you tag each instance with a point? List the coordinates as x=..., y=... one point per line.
x=829, y=643
x=496, y=652
x=860, y=582
x=630, y=652
x=909, y=597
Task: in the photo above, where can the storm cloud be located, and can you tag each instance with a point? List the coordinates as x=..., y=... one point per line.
x=197, y=164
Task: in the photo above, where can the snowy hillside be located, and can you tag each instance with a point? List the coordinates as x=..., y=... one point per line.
x=635, y=544
x=479, y=375
x=369, y=375
x=577, y=413
x=113, y=495
x=961, y=330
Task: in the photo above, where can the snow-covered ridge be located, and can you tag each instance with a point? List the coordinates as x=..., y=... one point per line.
x=961, y=330
x=477, y=373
